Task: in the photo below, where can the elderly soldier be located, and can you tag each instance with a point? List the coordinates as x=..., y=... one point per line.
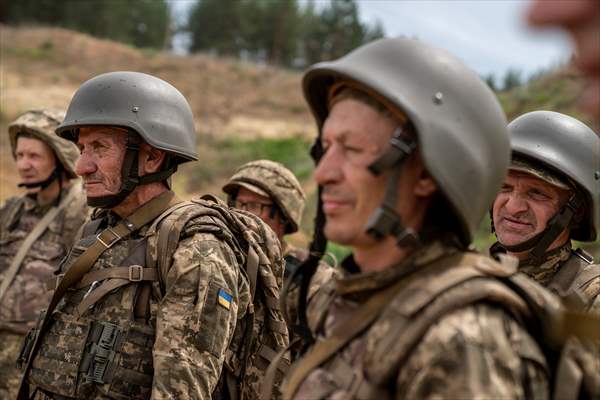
x=36, y=230
x=132, y=323
x=412, y=149
x=549, y=197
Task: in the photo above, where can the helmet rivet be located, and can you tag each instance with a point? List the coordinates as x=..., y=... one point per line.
x=438, y=98
x=597, y=175
x=135, y=109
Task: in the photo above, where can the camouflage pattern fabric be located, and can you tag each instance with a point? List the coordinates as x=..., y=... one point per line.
x=9, y=374
x=178, y=352
x=478, y=351
x=545, y=272
x=27, y=295
x=323, y=274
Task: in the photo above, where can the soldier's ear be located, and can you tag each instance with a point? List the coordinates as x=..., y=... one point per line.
x=151, y=159
x=425, y=185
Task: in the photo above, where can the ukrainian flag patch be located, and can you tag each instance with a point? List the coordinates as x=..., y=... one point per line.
x=224, y=298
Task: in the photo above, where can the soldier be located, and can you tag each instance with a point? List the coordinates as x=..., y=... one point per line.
x=550, y=197
x=412, y=149
x=36, y=230
x=123, y=322
x=271, y=191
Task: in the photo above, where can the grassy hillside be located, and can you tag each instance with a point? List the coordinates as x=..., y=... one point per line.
x=243, y=111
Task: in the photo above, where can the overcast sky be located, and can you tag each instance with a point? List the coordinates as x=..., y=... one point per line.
x=491, y=36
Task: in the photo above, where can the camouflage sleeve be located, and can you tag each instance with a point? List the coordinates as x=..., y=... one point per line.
x=591, y=288
x=76, y=215
x=205, y=293
x=476, y=352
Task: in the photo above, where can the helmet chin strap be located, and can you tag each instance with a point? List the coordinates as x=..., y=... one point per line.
x=130, y=178
x=556, y=225
x=45, y=183
x=386, y=221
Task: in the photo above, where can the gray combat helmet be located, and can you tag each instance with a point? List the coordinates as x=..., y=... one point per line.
x=271, y=179
x=146, y=104
x=151, y=109
x=460, y=126
x=566, y=146
x=41, y=125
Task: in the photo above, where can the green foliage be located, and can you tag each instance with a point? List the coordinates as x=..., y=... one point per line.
x=142, y=23
x=512, y=79
x=336, y=253
x=219, y=157
x=278, y=31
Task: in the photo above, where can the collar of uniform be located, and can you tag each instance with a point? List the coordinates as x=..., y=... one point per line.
x=544, y=271
x=353, y=282
x=30, y=203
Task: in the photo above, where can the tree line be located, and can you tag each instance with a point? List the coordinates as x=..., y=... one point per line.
x=277, y=32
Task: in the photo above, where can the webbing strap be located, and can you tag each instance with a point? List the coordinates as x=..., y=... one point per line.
x=99, y=293
x=143, y=215
x=133, y=273
x=323, y=350
x=37, y=231
x=268, y=383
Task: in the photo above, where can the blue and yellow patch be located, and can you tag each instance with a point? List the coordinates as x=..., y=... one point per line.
x=224, y=298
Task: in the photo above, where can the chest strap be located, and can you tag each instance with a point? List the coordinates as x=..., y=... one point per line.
x=37, y=231
x=132, y=273
x=104, y=240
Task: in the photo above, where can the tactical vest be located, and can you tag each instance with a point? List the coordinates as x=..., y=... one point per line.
x=415, y=305
x=573, y=277
x=111, y=351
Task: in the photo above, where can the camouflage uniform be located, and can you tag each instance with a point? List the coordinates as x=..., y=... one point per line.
x=178, y=352
x=547, y=272
x=458, y=357
x=27, y=296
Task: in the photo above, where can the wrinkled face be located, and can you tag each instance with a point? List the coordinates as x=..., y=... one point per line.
x=353, y=136
x=524, y=206
x=260, y=206
x=35, y=160
x=102, y=152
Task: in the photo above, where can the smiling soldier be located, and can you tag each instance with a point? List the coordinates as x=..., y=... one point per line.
x=550, y=197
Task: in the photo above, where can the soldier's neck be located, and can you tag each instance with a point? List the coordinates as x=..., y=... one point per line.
x=558, y=242
x=140, y=196
x=49, y=194
x=380, y=256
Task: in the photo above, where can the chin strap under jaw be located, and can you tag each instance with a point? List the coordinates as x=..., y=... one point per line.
x=386, y=221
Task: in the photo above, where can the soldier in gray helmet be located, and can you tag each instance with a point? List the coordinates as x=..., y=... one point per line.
x=36, y=229
x=411, y=151
x=549, y=198
x=147, y=301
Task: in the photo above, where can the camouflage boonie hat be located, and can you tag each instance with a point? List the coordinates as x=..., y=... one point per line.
x=521, y=165
x=271, y=179
x=41, y=125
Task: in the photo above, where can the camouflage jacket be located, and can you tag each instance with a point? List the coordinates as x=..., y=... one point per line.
x=176, y=351
x=550, y=272
x=477, y=351
x=27, y=295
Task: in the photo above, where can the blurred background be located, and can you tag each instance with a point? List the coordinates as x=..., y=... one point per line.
x=239, y=63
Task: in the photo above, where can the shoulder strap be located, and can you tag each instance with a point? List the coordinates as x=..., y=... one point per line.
x=104, y=240
x=37, y=231
x=571, y=277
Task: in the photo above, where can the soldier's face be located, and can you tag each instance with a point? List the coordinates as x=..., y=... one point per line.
x=261, y=207
x=524, y=206
x=102, y=152
x=34, y=159
x=353, y=136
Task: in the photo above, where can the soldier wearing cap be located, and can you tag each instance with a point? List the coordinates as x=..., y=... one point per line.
x=549, y=198
x=412, y=149
x=271, y=191
x=36, y=229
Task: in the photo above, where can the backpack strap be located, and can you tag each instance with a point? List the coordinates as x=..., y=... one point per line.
x=37, y=231
x=572, y=277
x=104, y=240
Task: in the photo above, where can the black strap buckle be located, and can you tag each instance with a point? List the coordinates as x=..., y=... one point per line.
x=26, y=348
x=102, y=345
